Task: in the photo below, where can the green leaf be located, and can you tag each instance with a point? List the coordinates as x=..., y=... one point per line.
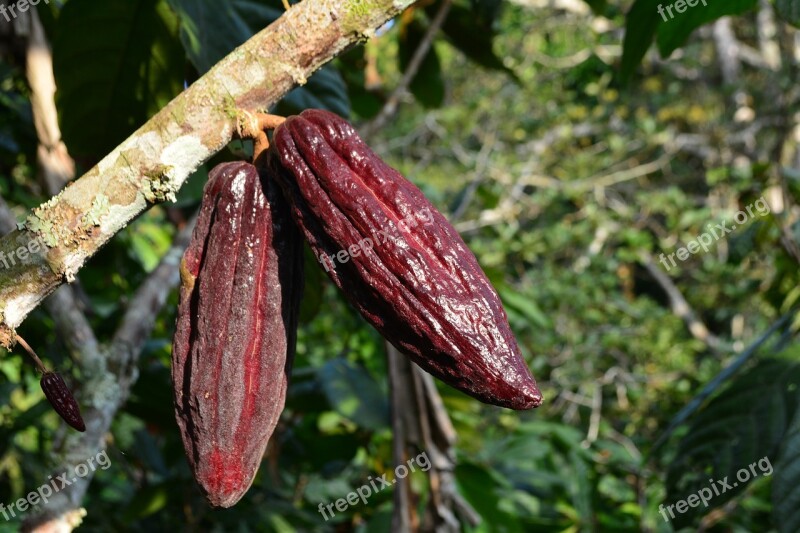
x=365, y=102
x=147, y=501
x=115, y=64
x=150, y=240
x=324, y=90
x=148, y=452
x=789, y=10
x=786, y=484
x=486, y=12
x=324, y=453
x=744, y=424
x=427, y=86
x=210, y=30
x=472, y=36
x=674, y=32
x=598, y=6
x=353, y=393
x=648, y=17
x=482, y=487
x=524, y=305
x=641, y=23
x=151, y=399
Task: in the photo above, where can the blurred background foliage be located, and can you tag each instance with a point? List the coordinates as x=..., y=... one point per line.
x=570, y=155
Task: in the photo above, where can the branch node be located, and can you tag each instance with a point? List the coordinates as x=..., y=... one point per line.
x=250, y=125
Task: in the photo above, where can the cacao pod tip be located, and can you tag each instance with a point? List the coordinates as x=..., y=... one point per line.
x=519, y=397
x=530, y=395
x=225, y=482
x=531, y=399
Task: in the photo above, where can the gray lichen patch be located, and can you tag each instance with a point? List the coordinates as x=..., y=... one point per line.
x=42, y=227
x=105, y=387
x=100, y=208
x=157, y=185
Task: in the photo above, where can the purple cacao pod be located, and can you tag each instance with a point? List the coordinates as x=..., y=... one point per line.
x=241, y=282
x=62, y=399
x=398, y=260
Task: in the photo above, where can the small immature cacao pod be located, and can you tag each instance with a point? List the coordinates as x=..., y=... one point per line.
x=62, y=400
x=241, y=282
x=398, y=260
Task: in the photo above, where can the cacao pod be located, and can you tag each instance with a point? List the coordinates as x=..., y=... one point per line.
x=398, y=260
x=62, y=400
x=241, y=283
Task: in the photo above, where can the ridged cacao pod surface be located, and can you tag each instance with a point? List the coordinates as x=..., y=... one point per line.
x=61, y=398
x=241, y=282
x=398, y=260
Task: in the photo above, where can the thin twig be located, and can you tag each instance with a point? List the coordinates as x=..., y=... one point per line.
x=420, y=422
x=595, y=417
x=481, y=163
x=390, y=107
x=39, y=365
x=682, y=308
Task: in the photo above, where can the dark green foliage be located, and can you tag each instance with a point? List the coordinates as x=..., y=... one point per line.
x=115, y=63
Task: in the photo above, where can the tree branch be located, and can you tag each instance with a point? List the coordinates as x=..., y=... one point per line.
x=108, y=374
x=57, y=168
x=54, y=161
x=151, y=165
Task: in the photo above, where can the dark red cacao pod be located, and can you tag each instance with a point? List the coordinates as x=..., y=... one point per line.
x=62, y=400
x=398, y=260
x=241, y=283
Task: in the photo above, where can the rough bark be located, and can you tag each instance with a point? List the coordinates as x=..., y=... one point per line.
x=420, y=422
x=151, y=165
